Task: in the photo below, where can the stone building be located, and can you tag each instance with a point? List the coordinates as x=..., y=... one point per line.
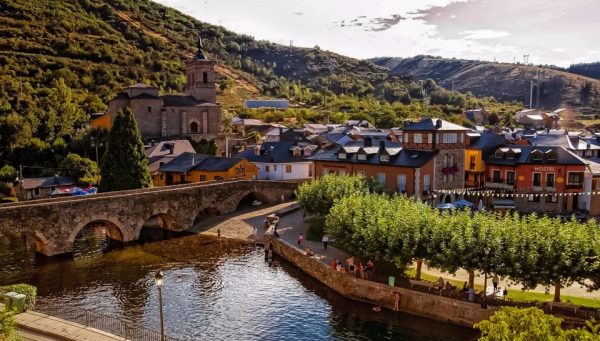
x=448, y=140
x=194, y=113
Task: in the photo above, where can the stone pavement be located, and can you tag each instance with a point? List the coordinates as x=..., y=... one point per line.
x=41, y=327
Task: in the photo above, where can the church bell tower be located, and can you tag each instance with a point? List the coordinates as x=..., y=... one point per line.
x=201, y=76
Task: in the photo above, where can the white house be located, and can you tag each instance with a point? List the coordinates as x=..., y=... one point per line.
x=285, y=160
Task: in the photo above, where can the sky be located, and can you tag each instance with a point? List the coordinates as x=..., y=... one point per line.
x=559, y=32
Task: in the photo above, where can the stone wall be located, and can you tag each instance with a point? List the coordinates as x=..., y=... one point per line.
x=54, y=223
x=414, y=302
x=458, y=178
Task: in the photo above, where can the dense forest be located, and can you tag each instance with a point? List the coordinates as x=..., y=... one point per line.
x=591, y=70
x=62, y=60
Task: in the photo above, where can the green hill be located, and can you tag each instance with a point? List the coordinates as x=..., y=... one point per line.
x=503, y=81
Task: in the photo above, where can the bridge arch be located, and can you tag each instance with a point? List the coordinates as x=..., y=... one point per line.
x=113, y=231
x=160, y=225
x=246, y=198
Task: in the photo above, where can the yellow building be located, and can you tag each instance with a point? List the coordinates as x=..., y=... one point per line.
x=479, y=146
x=191, y=167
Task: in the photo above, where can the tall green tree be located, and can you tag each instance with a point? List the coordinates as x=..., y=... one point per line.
x=124, y=164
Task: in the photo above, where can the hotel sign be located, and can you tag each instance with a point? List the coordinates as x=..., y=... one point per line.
x=543, y=169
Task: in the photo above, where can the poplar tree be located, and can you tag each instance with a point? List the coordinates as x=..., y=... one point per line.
x=124, y=164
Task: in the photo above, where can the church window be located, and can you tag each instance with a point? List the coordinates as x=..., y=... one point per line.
x=194, y=127
x=205, y=77
x=149, y=109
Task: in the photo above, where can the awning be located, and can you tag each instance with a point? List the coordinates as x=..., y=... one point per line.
x=504, y=204
x=446, y=207
x=463, y=203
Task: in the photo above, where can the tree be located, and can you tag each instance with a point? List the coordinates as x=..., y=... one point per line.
x=8, y=173
x=84, y=170
x=519, y=324
x=124, y=164
x=317, y=197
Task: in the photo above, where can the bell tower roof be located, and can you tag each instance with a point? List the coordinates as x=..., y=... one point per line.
x=200, y=54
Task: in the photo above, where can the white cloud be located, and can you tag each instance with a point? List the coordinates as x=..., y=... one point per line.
x=483, y=34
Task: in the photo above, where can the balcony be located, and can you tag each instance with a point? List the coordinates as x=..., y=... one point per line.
x=550, y=189
x=537, y=188
x=498, y=184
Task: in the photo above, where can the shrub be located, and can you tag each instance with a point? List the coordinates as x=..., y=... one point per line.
x=29, y=290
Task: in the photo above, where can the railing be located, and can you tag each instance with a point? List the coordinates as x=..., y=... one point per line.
x=109, y=324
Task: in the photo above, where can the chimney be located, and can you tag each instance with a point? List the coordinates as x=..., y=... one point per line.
x=171, y=148
x=438, y=124
x=257, y=150
x=368, y=142
x=381, y=145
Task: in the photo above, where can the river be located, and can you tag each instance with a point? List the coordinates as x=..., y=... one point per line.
x=214, y=290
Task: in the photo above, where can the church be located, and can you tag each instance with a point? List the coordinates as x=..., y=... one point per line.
x=194, y=113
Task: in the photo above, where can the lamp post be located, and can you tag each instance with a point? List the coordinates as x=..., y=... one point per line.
x=96, y=145
x=485, y=271
x=159, y=279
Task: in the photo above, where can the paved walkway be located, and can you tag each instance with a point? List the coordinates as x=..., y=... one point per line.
x=36, y=326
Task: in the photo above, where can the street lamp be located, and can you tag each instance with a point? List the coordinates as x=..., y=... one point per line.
x=96, y=145
x=485, y=271
x=159, y=279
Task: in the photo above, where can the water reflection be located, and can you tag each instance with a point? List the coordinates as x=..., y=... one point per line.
x=213, y=290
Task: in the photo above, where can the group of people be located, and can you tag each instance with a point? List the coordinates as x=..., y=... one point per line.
x=325, y=240
x=360, y=270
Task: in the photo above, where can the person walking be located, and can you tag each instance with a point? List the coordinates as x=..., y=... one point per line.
x=396, y=301
x=325, y=241
x=495, y=282
x=300, y=239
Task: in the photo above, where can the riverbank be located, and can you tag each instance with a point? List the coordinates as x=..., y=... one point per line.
x=414, y=302
x=35, y=326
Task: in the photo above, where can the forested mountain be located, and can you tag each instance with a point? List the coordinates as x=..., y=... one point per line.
x=503, y=81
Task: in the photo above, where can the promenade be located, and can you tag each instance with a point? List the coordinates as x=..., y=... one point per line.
x=34, y=326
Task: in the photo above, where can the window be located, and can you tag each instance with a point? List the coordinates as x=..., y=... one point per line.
x=575, y=179
x=274, y=168
x=510, y=177
x=149, y=109
x=496, y=176
x=384, y=158
x=510, y=154
x=537, y=155
x=537, y=179
x=362, y=157
x=205, y=77
x=202, y=177
x=533, y=198
x=498, y=154
x=551, y=198
x=418, y=138
x=425, y=183
x=549, y=179
x=551, y=155
x=218, y=178
x=36, y=192
x=342, y=156
x=182, y=178
x=296, y=152
x=430, y=138
x=267, y=169
x=288, y=168
x=194, y=127
x=381, y=178
x=450, y=138
x=401, y=182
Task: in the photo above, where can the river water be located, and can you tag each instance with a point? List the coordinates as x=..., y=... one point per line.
x=214, y=290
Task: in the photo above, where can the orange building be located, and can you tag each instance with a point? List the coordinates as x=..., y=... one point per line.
x=101, y=122
x=191, y=167
x=539, y=179
x=399, y=169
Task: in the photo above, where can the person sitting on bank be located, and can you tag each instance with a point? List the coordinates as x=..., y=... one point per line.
x=339, y=267
x=440, y=284
x=333, y=264
x=309, y=251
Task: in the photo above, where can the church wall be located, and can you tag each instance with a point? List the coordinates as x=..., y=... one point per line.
x=148, y=116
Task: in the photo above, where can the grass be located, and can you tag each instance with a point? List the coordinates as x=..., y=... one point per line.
x=516, y=295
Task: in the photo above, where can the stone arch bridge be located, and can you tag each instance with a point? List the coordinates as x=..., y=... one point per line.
x=53, y=224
